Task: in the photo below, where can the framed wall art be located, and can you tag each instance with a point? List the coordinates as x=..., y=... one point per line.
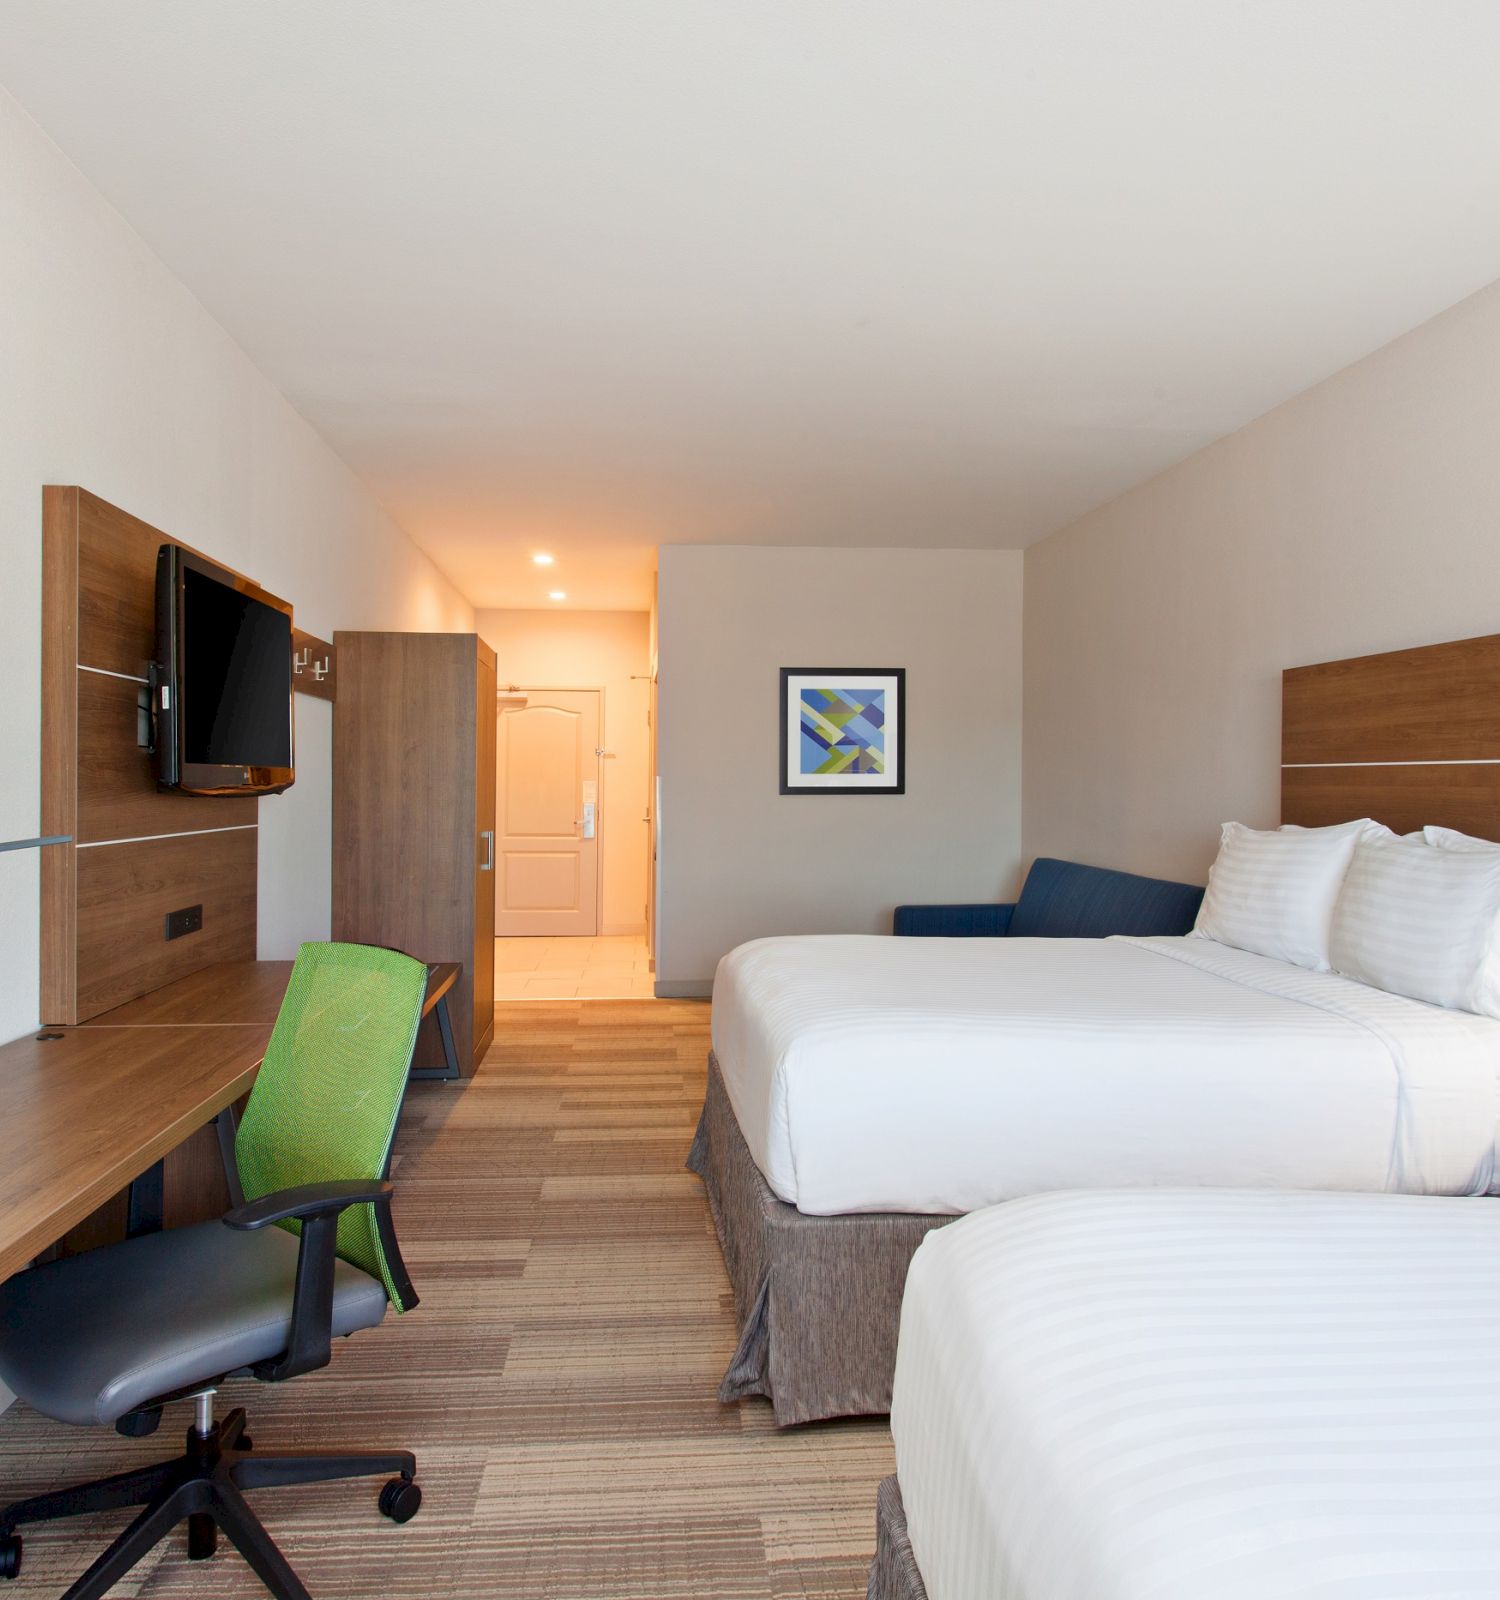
x=843, y=730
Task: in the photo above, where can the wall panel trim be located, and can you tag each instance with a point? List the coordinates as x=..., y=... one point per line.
x=104, y=672
x=1476, y=761
x=181, y=833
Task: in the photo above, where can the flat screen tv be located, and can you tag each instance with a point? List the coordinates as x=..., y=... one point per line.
x=223, y=680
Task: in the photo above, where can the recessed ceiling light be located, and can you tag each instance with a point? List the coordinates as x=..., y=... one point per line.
x=542, y=559
x=558, y=594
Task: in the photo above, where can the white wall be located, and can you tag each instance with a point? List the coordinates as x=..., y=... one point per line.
x=1364, y=515
x=740, y=860
x=609, y=650
x=115, y=378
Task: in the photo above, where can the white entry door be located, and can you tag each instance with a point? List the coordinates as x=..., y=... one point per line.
x=548, y=815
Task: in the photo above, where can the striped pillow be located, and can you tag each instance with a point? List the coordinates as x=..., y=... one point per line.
x=1422, y=921
x=1452, y=839
x=1273, y=892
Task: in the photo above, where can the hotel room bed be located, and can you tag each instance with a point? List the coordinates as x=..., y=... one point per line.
x=864, y=1091
x=1102, y=1396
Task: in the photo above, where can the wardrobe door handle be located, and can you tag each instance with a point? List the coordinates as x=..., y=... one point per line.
x=488, y=864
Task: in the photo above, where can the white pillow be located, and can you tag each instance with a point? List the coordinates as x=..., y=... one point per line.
x=1452, y=839
x=1274, y=892
x=1422, y=921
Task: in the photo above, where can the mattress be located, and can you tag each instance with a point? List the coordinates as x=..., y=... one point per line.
x=944, y=1075
x=1172, y=1395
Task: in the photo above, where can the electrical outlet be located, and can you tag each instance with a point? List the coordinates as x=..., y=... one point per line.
x=187, y=920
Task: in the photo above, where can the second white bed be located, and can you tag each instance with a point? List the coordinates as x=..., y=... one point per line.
x=1175, y=1396
x=945, y=1075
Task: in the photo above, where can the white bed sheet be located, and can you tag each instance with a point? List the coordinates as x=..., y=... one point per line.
x=944, y=1075
x=1190, y=1396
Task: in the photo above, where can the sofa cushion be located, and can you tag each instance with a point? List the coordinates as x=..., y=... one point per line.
x=1065, y=900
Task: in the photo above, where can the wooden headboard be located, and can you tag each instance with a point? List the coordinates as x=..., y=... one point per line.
x=1409, y=737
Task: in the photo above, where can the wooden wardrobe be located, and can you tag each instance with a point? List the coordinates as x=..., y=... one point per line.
x=414, y=812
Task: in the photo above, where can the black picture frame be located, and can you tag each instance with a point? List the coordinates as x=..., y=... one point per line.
x=843, y=784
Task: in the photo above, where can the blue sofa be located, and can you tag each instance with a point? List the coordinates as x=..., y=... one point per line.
x=1064, y=900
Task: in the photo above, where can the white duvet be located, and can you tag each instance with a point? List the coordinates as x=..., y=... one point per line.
x=944, y=1075
x=1194, y=1396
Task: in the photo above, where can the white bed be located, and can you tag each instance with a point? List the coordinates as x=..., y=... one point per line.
x=943, y=1075
x=1177, y=1396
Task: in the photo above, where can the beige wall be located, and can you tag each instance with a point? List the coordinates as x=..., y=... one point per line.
x=1363, y=515
x=114, y=377
x=740, y=860
x=609, y=650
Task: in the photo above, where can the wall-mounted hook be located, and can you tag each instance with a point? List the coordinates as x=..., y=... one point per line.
x=315, y=665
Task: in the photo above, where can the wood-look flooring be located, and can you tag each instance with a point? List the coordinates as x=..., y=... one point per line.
x=557, y=1381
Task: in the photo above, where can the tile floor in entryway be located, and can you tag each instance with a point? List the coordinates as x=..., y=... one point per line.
x=605, y=968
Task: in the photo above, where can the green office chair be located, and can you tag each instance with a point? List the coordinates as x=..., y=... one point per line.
x=307, y=1254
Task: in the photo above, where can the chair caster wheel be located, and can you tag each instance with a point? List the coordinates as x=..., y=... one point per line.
x=10, y=1554
x=400, y=1500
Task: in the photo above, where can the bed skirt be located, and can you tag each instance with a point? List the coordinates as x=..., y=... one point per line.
x=818, y=1299
x=894, y=1574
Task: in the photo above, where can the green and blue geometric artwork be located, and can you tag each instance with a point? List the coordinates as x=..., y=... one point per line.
x=843, y=730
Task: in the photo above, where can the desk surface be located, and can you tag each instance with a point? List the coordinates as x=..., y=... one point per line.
x=234, y=992
x=84, y=1113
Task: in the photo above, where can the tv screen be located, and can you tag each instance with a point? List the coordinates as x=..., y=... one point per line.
x=224, y=689
x=236, y=655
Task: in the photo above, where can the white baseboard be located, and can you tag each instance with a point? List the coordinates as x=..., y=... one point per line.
x=619, y=930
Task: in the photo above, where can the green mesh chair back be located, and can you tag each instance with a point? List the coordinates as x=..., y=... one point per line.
x=328, y=1095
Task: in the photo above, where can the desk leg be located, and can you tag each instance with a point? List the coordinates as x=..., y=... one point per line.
x=227, y=1125
x=449, y=1070
x=145, y=1202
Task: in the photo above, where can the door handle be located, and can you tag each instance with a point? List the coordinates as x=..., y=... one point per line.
x=586, y=822
x=488, y=864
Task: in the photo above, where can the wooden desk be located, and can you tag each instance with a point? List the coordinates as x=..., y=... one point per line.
x=230, y=993
x=250, y=992
x=87, y=1111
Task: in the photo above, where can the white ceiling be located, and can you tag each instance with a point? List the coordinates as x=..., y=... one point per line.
x=595, y=275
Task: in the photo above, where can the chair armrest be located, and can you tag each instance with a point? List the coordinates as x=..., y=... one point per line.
x=952, y=922
x=309, y=1200
x=316, y=1207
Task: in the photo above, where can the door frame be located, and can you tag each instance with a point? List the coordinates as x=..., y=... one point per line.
x=600, y=814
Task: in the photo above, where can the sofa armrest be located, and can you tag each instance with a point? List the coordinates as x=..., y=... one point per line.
x=952, y=922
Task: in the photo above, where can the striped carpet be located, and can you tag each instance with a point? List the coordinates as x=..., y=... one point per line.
x=557, y=1381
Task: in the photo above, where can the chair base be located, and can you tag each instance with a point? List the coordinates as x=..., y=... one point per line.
x=204, y=1487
